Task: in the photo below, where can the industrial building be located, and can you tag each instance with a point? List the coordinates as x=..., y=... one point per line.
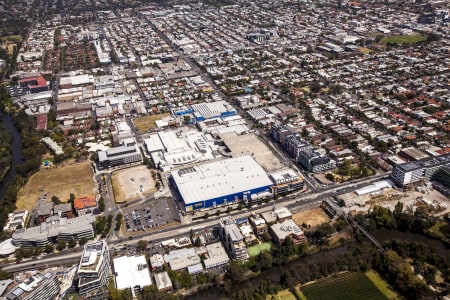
x=203, y=111
x=181, y=259
x=170, y=149
x=94, y=267
x=163, y=282
x=131, y=272
x=119, y=157
x=217, y=256
x=221, y=182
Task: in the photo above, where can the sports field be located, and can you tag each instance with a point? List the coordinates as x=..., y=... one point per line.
x=344, y=286
x=403, y=39
x=255, y=250
x=148, y=122
x=61, y=181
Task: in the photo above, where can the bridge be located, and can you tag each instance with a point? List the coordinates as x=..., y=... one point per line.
x=365, y=232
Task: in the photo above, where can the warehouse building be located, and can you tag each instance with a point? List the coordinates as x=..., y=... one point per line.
x=219, y=183
x=131, y=272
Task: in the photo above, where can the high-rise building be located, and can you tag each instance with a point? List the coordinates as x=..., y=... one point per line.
x=94, y=267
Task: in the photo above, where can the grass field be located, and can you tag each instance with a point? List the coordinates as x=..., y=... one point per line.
x=12, y=38
x=365, y=50
x=148, y=122
x=61, y=181
x=255, y=250
x=345, y=286
x=282, y=295
x=403, y=39
x=382, y=285
x=311, y=217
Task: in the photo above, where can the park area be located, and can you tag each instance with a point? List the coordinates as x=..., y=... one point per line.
x=403, y=39
x=64, y=179
x=9, y=42
x=131, y=183
x=344, y=286
x=312, y=217
x=146, y=123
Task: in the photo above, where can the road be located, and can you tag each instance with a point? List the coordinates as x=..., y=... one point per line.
x=295, y=202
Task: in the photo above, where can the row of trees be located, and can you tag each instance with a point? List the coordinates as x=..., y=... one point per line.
x=32, y=152
x=406, y=220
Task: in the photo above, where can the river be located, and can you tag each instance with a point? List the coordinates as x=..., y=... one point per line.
x=437, y=245
x=16, y=152
x=218, y=293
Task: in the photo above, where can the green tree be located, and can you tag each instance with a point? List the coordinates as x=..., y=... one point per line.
x=101, y=204
x=72, y=243
x=61, y=245
x=83, y=241
x=141, y=245
x=48, y=248
x=5, y=275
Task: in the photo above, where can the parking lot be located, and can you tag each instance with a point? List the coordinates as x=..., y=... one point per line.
x=150, y=215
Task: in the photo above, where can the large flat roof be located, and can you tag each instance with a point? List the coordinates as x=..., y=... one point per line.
x=131, y=271
x=220, y=179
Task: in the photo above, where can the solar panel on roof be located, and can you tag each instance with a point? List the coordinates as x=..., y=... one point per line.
x=17, y=292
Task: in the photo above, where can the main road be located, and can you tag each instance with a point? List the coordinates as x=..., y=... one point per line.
x=295, y=202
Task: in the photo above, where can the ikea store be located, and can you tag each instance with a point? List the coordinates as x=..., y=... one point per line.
x=221, y=182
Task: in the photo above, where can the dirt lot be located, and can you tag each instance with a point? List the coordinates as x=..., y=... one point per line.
x=61, y=181
x=311, y=217
x=131, y=183
x=148, y=122
x=250, y=144
x=390, y=197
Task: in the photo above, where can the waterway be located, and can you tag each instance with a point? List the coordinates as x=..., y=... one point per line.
x=218, y=293
x=437, y=245
x=16, y=152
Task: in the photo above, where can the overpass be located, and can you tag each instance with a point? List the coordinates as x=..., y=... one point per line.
x=365, y=232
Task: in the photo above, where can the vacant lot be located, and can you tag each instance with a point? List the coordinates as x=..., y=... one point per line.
x=148, y=122
x=131, y=183
x=403, y=39
x=250, y=144
x=311, y=217
x=365, y=50
x=345, y=286
x=61, y=181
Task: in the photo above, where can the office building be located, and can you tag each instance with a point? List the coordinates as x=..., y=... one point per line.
x=119, y=157
x=94, y=267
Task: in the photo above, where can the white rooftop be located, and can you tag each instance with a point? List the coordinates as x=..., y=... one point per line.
x=131, y=271
x=219, y=179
